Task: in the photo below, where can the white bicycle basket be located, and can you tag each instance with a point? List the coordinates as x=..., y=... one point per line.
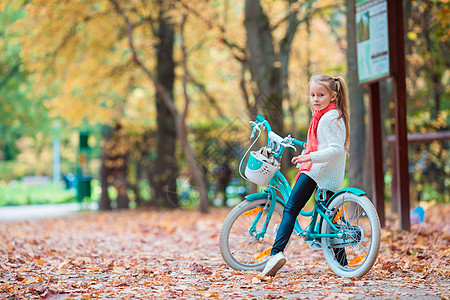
x=261, y=166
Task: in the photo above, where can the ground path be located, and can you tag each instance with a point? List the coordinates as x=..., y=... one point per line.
x=44, y=211
x=174, y=254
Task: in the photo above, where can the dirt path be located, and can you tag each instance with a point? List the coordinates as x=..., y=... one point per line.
x=44, y=211
x=148, y=255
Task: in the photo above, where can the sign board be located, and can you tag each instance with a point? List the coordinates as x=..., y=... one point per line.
x=372, y=40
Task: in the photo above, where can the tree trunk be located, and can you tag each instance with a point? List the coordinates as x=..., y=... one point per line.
x=356, y=164
x=166, y=167
x=135, y=186
x=119, y=153
x=194, y=166
x=166, y=97
x=122, y=197
x=105, y=173
x=437, y=87
x=308, y=47
x=121, y=182
x=114, y=167
x=264, y=67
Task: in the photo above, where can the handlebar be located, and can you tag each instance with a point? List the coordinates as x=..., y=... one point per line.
x=260, y=121
x=273, y=137
x=299, y=143
x=260, y=118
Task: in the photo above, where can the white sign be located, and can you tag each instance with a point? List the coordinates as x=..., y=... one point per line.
x=372, y=40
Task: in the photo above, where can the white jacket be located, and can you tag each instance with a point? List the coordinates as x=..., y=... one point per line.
x=328, y=162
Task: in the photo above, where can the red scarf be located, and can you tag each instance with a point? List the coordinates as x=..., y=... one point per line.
x=311, y=141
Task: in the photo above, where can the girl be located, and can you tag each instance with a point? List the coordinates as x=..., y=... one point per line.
x=323, y=162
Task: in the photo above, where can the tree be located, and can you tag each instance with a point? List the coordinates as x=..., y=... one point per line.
x=20, y=114
x=427, y=65
x=114, y=166
x=264, y=63
x=87, y=55
x=427, y=53
x=180, y=118
x=166, y=167
x=103, y=62
x=269, y=61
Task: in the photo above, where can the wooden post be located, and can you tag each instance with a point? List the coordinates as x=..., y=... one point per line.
x=397, y=61
x=377, y=150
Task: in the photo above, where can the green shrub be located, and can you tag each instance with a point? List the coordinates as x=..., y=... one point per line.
x=16, y=193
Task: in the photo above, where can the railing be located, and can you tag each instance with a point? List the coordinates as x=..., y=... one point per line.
x=423, y=137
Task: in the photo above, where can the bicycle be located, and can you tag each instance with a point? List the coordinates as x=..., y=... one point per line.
x=344, y=224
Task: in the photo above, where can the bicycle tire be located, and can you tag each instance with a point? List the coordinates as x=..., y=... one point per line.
x=357, y=216
x=239, y=249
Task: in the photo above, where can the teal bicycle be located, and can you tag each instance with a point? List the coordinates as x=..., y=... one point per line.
x=344, y=224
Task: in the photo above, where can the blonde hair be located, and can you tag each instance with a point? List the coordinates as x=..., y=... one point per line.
x=336, y=85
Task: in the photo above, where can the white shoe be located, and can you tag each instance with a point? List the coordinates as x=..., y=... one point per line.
x=274, y=264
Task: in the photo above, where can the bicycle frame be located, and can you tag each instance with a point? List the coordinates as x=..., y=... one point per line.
x=280, y=183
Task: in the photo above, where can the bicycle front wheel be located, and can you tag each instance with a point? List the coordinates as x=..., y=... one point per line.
x=354, y=252
x=239, y=244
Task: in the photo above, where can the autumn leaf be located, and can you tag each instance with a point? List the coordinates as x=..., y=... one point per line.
x=108, y=255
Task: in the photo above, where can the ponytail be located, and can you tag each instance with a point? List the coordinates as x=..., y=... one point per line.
x=337, y=85
x=342, y=103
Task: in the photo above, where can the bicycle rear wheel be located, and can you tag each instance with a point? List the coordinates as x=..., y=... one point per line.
x=239, y=246
x=353, y=254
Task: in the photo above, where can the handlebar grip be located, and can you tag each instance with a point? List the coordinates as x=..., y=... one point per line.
x=299, y=143
x=260, y=118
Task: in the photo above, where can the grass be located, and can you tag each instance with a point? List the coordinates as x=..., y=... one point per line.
x=16, y=193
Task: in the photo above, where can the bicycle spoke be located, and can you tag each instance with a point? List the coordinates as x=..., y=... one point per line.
x=237, y=244
x=242, y=243
x=244, y=225
x=350, y=216
x=245, y=248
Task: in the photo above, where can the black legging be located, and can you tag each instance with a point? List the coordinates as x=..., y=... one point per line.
x=303, y=189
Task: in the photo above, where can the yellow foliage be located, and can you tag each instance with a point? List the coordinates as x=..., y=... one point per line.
x=78, y=52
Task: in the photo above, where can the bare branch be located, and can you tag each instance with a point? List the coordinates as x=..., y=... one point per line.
x=72, y=31
x=208, y=96
x=185, y=69
x=241, y=56
x=285, y=43
x=161, y=90
x=251, y=108
x=293, y=21
x=181, y=122
x=10, y=74
x=288, y=17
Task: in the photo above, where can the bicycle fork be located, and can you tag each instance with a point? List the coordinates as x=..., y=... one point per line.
x=259, y=211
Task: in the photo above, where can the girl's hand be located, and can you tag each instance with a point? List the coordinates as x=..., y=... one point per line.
x=301, y=159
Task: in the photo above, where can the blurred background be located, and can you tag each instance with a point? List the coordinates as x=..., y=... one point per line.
x=146, y=103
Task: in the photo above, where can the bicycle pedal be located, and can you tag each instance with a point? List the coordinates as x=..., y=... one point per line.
x=314, y=245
